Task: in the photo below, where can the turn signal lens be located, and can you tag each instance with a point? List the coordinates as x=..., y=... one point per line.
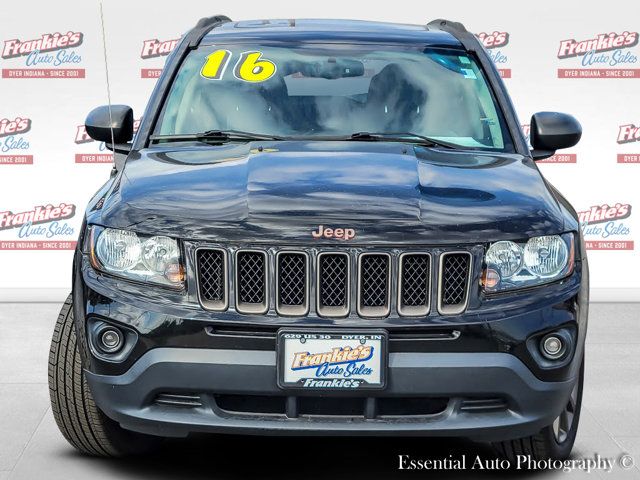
x=490, y=278
x=174, y=273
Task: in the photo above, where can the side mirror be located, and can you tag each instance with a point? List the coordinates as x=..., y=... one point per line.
x=100, y=122
x=551, y=131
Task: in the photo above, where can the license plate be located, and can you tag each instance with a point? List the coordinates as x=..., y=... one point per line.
x=332, y=360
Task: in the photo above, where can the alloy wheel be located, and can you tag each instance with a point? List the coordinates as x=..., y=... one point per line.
x=564, y=423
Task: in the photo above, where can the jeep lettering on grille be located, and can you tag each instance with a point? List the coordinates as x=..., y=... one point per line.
x=339, y=233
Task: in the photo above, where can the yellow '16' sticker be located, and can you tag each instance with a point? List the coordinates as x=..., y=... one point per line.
x=250, y=67
x=216, y=64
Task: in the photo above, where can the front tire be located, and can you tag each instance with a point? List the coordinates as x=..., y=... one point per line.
x=555, y=441
x=78, y=417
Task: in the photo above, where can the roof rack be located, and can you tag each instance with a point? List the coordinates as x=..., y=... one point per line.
x=210, y=21
x=204, y=26
x=441, y=23
x=458, y=30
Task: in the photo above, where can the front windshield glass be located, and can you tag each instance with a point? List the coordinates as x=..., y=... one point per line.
x=317, y=90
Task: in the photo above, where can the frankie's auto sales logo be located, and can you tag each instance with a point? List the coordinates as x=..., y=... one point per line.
x=155, y=48
x=628, y=134
x=103, y=155
x=14, y=144
x=495, y=43
x=605, y=55
x=556, y=158
x=606, y=227
x=48, y=56
x=42, y=227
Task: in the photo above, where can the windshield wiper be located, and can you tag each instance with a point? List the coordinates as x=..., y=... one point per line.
x=217, y=136
x=402, y=137
x=223, y=136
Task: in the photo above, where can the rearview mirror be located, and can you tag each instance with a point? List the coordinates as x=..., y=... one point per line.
x=334, y=68
x=100, y=122
x=551, y=131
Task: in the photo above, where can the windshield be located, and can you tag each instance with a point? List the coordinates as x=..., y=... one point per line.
x=313, y=90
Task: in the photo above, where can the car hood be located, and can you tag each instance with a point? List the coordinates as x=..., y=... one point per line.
x=279, y=192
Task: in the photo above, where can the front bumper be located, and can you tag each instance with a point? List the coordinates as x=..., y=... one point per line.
x=530, y=404
x=182, y=350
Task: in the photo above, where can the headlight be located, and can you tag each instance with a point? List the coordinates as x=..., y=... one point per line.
x=546, y=257
x=136, y=257
x=506, y=257
x=511, y=265
x=118, y=250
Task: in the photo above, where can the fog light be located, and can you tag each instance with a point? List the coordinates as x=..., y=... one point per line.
x=553, y=347
x=111, y=340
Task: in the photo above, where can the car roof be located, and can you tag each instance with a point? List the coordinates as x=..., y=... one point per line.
x=330, y=31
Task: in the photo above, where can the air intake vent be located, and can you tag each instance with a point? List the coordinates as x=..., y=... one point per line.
x=252, y=404
x=292, y=282
x=483, y=405
x=414, y=284
x=212, y=275
x=374, y=275
x=331, y=406
x=251, y=282
x=178, y=400
x=315, y=406
x=455, y=273
x=411, y=406
x=333, y=284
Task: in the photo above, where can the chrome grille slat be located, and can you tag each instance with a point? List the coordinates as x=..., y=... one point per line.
x=455, y=277
x=292, y=280
x=414, y=284
x=212, y=278
x=374, y=284
x=333, y=284
x=251, y=281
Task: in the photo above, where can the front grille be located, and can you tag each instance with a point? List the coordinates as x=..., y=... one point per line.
x=251, y=281
x=374, y=285
x=293, y=283
x=455, y=268
x=333, y=284
x=378, y=280
x=212, y=274
x=415, y=284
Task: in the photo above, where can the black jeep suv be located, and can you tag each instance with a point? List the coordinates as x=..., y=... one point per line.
x=325, y=228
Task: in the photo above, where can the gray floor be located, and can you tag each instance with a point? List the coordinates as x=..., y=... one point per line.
x=31, y=446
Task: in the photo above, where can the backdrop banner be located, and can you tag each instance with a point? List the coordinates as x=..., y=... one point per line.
x=566, y=56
